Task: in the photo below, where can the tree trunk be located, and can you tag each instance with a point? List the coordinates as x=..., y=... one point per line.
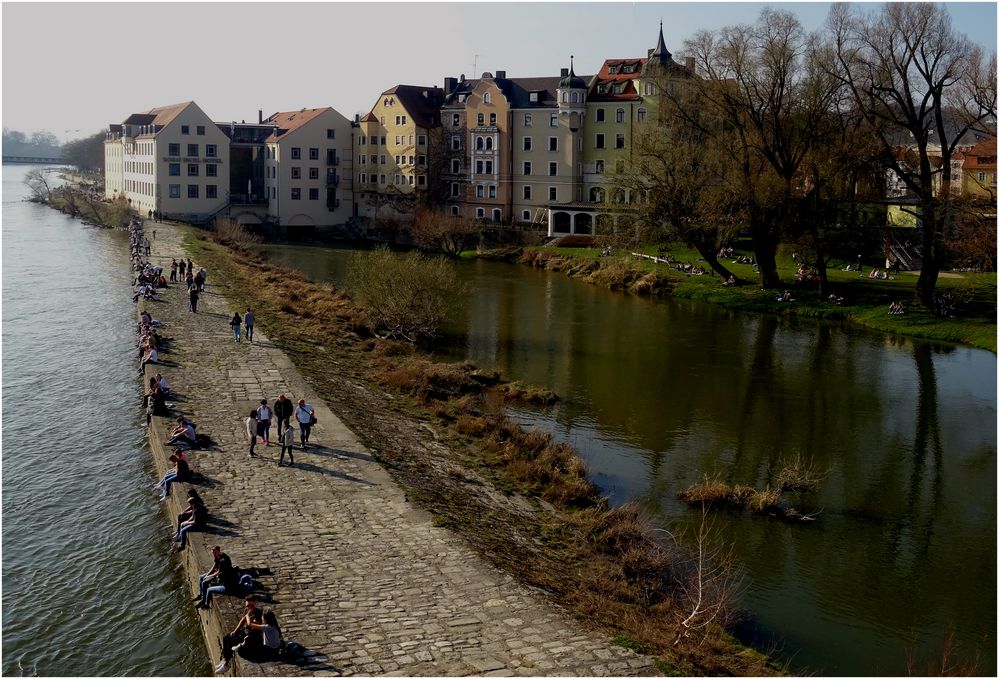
x=927, y=284
x=710, y=254
x=765, y=250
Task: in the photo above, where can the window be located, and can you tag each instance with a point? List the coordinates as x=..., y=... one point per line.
x=497, y=214
x=488, y=98
x=553, y=143
x=398, y=161
x=364, y=177
x=525, y=216
x=552, y=169
x=552, y=193
x=650, y=88
x=981, y=177
x=492, y=191
x=527, y=191
x=421, y=180
x=455, y=120
x=455, y=166
x=489, y=143
x=480, y=119
x=619, y=115
x=175, y=170
x=455, y=189
x=619, y=141
x=382, y=121
x=381, y=159
x=599, y=142
x=600, y=115
x=192, y=170
x=212, y=191
x=492, y=118
x=185, y=129
x=296, y=153
x=398, y=121
x=479, y=143
x=211, y=170
x=527, y=120
x=612, y=70
x=175, y=190
x=313, y=153
x=454, y=210
x=313, y=194
x=192, y=150
x=211, y=150
x=527, y=143
x=478, y=167
x=616, y=89
x=397, y=142
x=533, y=97
x=374, y=141
x=489, y=167
x=553, y=121
x=201, y=131
x=421, y=140
x=599, y=167
x=296, y=194
x=480, y=213
x=479, y=191
x=382, y=140
x=192, y=190
x=313, y=173
x=296, y=173
x=601, y=89
x=455, y=143
x=642, y=115
x=331, y=134
x=527, y=167
x=362, y=159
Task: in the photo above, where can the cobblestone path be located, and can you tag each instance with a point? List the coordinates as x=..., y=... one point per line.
x=361, y=577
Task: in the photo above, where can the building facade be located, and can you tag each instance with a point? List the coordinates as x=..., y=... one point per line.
x=171, y=160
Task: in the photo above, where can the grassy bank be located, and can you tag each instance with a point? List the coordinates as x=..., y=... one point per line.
x=865, y=301
x=520, y=499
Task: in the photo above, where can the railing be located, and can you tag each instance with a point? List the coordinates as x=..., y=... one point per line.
x=332, y=178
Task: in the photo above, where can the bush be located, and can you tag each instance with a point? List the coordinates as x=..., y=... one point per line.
x=405, y=297
x=233, y=234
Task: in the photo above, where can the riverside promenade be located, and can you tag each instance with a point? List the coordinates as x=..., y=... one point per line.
x=359, y=576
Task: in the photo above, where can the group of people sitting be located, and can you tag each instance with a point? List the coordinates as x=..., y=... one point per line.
x=878, y=273
x=806, y=274
x=690, y=269
x=896, y=308
x=784, y=296
x=725, y=252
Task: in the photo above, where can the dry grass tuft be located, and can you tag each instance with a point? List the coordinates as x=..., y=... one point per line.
x=613, y=274
x=765, y=500
x=713, y=490
x=799, y=475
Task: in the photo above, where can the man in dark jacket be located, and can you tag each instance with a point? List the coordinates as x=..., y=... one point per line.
x=283, y=408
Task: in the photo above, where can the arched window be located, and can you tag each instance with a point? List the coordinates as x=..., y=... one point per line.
x=489, y=143
x=642, y=115
x=487, y=98
x=497, y=215
x=619, y=115
x=574, y=97
x=565, y=97
x=479, y=143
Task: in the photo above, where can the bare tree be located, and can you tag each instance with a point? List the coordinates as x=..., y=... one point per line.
x=908, y=71
x=436, y=231
x=38, y=184
x=755, y=79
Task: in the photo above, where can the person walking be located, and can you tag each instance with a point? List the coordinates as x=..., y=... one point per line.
x=264, y=421
x=194, y=300
x=305, y=415
x=190, y=266
x=248, y=320
x=287, y=444
x=251, y=431
x=190, y=280
x=183, y=267
x=236, y=323
x=146, y=244
x=199, y=279
x=283, y=409
x=173, y=271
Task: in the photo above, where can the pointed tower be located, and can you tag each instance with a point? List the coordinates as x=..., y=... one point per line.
x=572, y=96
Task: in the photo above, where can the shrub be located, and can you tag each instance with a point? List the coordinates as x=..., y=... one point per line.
x=405, y=297
x=228, y=231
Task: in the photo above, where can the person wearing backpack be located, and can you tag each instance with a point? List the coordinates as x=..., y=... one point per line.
x=236, y=323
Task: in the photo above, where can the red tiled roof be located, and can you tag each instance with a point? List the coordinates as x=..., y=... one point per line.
x=983, y=150
x=370, y=118
x=289, y=121
x=625, y=80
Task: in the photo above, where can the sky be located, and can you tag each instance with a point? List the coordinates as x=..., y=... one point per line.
x=73, y=68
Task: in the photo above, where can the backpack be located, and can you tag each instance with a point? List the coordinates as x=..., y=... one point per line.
x=290, y=651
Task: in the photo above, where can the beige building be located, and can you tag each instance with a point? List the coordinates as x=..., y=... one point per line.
x=396, y=148
x=308, y=179
x=172, y=160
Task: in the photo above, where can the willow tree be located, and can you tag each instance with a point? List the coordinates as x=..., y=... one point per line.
x=922, y=87
x=755, y=79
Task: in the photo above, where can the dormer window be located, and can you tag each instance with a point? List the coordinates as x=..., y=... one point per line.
x=601, y=89
x=461, y=98
x=533, y=97
x=617, y=89
x=629, y=69
x=612, y=70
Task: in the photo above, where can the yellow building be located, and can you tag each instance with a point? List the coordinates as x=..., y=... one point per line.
x=393, y=148
x=979, y=171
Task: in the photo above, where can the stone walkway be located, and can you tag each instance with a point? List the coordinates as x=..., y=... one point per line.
x=361, y=577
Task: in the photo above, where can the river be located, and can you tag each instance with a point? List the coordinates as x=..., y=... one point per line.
x=89, y=585
x=656, y=394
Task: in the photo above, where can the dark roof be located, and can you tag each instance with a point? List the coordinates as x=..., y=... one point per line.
x=518, y=91
x=422, y=103
x=463, y=87
x=289, y=121
x=571, y=81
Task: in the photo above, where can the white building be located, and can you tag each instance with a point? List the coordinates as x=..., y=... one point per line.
x=307, y=169
x=172, y=160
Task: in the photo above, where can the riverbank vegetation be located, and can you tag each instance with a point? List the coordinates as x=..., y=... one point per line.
x=81, y=200
x=519, y=498
x=970, y=297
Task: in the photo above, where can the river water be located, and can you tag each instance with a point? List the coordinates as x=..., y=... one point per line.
x=89, y=585
x=657, y=394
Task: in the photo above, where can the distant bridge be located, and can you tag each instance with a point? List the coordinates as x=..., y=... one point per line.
x=29, y=159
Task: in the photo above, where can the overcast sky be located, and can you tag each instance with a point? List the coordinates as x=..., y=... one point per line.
x=73, y=68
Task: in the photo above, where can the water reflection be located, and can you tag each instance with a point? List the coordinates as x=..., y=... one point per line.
x=658, y=394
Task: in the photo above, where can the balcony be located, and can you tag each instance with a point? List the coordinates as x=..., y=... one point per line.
x=332, y=178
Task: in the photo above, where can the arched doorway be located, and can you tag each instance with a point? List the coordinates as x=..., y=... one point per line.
x=561, y=222
x=584, y=224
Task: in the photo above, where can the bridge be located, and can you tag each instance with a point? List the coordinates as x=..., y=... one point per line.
x=32, y=160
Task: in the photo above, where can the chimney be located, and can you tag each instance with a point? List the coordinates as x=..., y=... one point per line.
x=565, y=72
x=500, y=74
x=357, y=117
x=651, y=50
x=449, y=85
x=689, y=63
x=260, y=115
